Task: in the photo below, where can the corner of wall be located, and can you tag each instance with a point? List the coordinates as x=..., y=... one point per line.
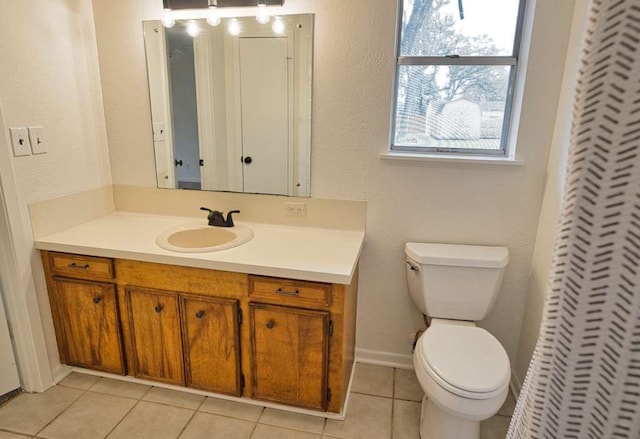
x=57, y=214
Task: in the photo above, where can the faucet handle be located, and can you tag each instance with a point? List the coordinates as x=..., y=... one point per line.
x=229, y=221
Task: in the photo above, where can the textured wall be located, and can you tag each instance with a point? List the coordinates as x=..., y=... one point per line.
x=49, y=77
x=421, y=201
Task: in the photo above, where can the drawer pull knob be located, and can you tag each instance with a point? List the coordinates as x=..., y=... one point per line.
x=159, y=308
x=79, y=267
x=270, y=324
x=282, y=292
x=199, y=314
x=97, y=299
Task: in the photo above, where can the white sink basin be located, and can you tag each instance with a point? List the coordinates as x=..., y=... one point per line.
x=198, y=238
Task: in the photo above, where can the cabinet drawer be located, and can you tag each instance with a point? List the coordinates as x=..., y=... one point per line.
x=81, y=266
x=290, y=292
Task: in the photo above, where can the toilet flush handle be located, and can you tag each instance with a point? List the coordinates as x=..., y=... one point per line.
x=413, y=266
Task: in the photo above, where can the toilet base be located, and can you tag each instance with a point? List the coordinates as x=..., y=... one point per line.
x=436, y=423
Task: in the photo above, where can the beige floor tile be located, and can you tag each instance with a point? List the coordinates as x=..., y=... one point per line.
x=230, y=408
x=296, y=421
x=270, y=432
x=92, y=416
x=207, y=426
x=367, y=417
x=495, y=427
x=79, y=381
x=174, y=397
x=29, y=412
x=120, y=388
x=508, y=406
x=406, y=386
x=152, y=421
x=373, y=380
x=406, y=419
x=7, y=435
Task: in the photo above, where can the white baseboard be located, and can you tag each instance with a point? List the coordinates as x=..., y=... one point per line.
x=379, y=358
x=60, y=372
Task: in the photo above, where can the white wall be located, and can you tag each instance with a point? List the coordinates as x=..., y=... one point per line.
x=407, y=201
x=549, y=214
x=49, y=77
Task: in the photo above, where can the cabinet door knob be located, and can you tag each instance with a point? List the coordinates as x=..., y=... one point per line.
x=270, y=324
x=159, y=308
x=199, y=314
x=97, y=299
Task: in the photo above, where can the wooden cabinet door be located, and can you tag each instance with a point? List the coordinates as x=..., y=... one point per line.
x=290, y=355
x=155, y=335
x=88, y=314
x=211, y=344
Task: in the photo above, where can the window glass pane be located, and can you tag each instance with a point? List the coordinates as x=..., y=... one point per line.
x=434, y=27
x=451, y=106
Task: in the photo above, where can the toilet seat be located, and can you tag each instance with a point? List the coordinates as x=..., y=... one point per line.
x=465, y=360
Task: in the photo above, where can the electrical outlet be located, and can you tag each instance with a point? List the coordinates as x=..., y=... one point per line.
x=295, y=209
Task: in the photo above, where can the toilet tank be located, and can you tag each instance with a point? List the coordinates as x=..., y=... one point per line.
x=458, y=282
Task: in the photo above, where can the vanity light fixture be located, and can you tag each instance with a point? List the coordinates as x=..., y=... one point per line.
x=263, y=16
x=213, y=17
x=167, y=18
x=210, y=9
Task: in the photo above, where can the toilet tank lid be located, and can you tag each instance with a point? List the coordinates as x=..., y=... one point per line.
x=458, y=255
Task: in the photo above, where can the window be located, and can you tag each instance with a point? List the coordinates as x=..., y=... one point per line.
x=455, y=76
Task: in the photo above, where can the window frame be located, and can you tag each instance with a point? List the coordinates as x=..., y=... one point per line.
x=513, y=61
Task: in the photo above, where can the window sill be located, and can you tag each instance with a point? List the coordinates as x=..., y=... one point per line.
x=479, y=160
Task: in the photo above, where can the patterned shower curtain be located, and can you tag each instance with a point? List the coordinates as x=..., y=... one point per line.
x=584, y=378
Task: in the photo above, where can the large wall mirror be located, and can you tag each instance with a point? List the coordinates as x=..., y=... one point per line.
x=232, y=112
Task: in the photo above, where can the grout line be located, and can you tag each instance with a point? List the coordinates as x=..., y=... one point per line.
x=255, y=425
x=122, y=419
x=186, y=424
x=82, y=392
x=197, y=410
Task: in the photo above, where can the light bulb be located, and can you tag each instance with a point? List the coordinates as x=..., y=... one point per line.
x=167, y=18
x=213, y=17
x=263, y=16
x=278, y=26
x=193, y=29
x=234, y=27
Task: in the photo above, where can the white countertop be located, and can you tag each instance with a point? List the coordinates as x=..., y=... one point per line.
x=321, y=255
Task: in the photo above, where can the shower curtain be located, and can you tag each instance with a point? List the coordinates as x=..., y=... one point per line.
x=584, y=377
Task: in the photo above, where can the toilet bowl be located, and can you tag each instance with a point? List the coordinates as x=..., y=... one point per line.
x=464, y=372
x=463, y=369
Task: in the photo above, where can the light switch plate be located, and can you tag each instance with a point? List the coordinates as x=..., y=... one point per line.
x=36, y=138
x=20, y=142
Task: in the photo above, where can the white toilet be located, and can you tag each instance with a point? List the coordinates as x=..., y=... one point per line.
x=463, y=369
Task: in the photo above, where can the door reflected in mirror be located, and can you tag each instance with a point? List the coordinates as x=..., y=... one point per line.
x=232, y=112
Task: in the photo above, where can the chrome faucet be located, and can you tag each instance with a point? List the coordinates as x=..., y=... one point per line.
x=216, y=218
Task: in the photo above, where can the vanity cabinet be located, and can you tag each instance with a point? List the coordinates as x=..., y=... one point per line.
x=280, y=340
x=211, y=337
x=290, y=355
x=85, y=311
x=155, y=335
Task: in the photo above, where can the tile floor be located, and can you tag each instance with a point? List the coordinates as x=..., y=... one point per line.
x=384, y=404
